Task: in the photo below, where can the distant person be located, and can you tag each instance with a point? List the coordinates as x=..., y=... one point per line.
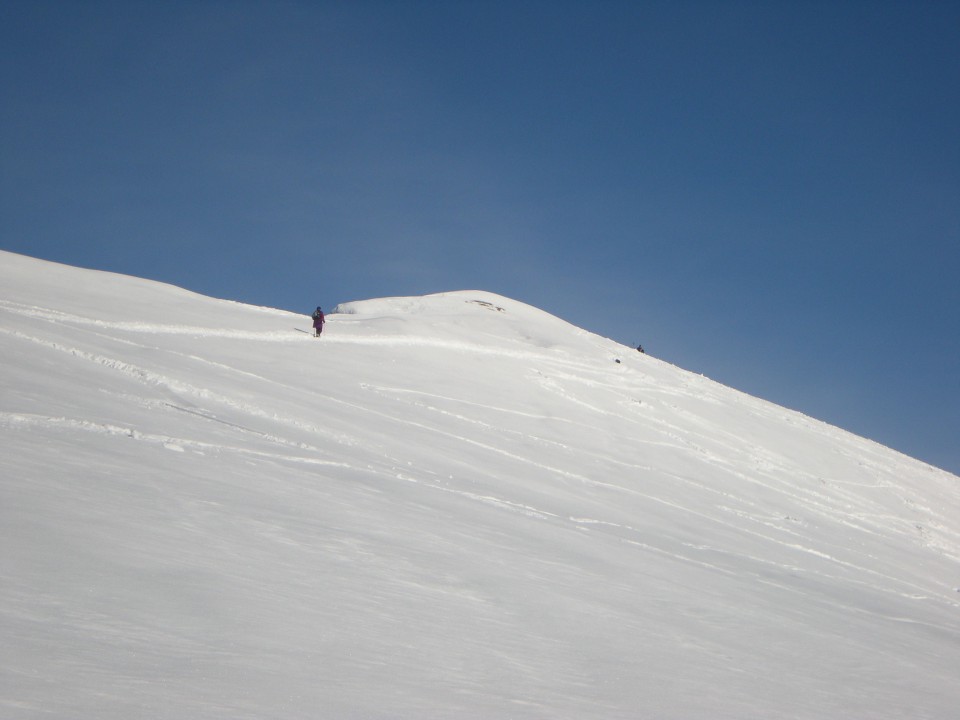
x=640, y=349
x=318, y=321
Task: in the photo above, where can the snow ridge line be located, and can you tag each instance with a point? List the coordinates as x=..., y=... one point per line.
x=60, y=317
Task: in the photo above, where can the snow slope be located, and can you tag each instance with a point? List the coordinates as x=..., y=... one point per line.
x=454, y=506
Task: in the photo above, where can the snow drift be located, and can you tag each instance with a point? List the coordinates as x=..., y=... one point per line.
x=450, y=506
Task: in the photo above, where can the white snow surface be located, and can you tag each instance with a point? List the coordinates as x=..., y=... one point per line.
x=452, y=506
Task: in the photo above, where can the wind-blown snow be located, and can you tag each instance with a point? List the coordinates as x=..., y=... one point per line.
x=453, y=506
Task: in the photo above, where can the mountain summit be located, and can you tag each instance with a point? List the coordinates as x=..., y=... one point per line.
x=451, y=506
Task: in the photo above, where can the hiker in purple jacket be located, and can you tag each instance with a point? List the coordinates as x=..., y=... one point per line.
x=318, y=321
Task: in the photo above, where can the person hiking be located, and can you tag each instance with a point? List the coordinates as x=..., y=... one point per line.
x=318, y=321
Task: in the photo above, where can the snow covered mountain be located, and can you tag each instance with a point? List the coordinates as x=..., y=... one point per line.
x=452, y=506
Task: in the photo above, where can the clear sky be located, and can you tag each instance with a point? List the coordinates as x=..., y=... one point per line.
x=764, y=192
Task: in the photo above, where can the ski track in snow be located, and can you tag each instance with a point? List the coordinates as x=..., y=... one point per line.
x=62, y=318
x=848, y=510
x=19, y=421
x=556, y=383
x=911, y=592
x=815, y=503
x=622, y=458
x=284, y=336
x=176, y=387
x=871, y=579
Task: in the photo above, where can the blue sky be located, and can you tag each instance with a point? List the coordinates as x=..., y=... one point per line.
x=766, y=193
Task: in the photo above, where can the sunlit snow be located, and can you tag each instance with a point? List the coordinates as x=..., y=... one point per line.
x=452, y=506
